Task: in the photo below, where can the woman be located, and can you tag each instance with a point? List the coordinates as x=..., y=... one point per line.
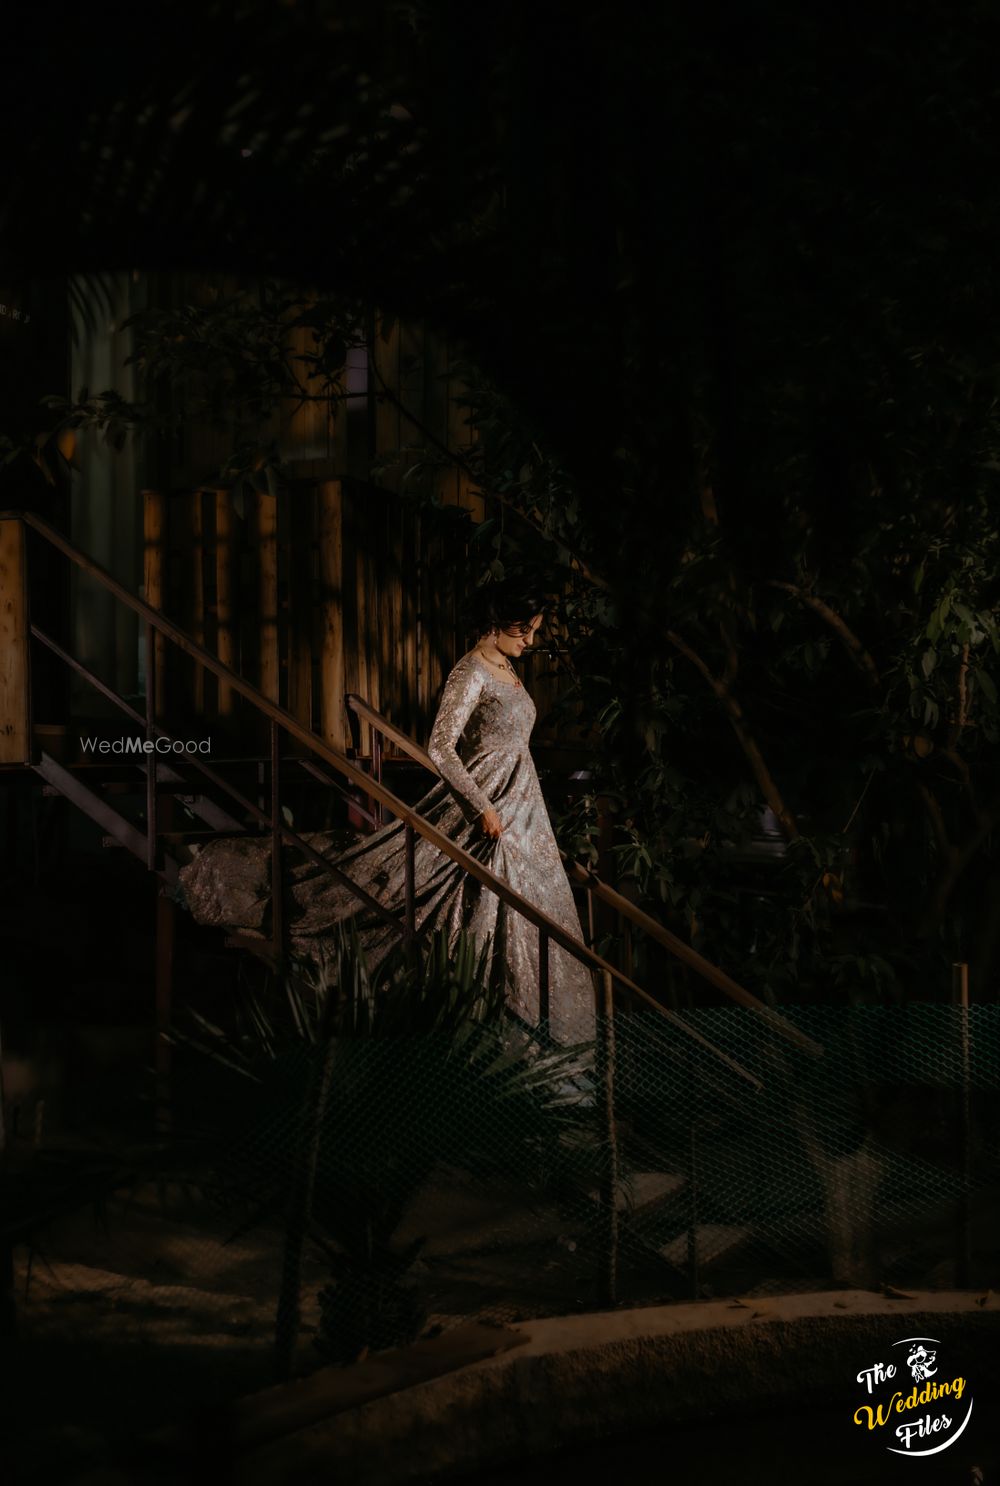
x=488, y=801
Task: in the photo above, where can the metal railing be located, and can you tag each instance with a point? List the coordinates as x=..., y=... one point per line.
x=627, y=912
x=283, y=835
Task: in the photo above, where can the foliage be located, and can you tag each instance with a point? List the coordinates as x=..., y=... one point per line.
x=743, y=400
x=416, y=1068
x=845, y=678
x=228, y=364
x=843, y=675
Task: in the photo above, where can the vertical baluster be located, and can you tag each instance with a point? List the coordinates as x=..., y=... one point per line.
x=166, y=917
x=629, y=963
x=332, y=682
x=692, y=1237
x=543, y=976
x=300, y=606
x=411, y=912
x=960, y=1003
x=609, y=1183
x=377, y=772
x=267, y=579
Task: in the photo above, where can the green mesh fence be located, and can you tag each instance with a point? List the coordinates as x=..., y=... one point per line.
x=432, y=1179
x=360, y=1192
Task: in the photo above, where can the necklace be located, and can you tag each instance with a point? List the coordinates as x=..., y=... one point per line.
x=505, y=665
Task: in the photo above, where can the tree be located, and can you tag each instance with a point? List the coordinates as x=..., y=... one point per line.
x=704, y=270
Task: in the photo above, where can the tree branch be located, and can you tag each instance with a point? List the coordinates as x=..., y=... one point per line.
x=936, y=817
x=960, y=717
x=581, y=566
x=959, y=858
x=855, y=649
x=953, y=756
x=747, y=742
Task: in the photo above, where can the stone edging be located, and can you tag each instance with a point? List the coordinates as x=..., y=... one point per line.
x=588, y=1378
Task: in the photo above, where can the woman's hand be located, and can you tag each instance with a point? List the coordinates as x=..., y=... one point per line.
x=491, y=824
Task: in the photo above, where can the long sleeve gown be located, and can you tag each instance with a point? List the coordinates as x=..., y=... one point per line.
x=479, y=743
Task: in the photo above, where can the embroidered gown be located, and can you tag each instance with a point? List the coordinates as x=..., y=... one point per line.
x=479, y=743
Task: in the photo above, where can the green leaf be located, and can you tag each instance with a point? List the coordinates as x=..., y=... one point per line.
x=481, y=531
x=986, y=685
x=928, y=661
x=990, y=628
x=938, y=617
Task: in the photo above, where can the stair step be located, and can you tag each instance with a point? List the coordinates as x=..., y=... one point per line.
x=258, y=944
x=649, y=1189
x=712, y=1242
x=171, y=837
x=100, y=812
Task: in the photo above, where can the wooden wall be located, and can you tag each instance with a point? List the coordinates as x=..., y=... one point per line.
x=327, y=587
x=336, y=583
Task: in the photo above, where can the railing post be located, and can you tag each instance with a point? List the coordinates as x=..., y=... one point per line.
x=629, y=958
x=960, y=1002
x=279, y=717
x=543, y=977
x=166, y=918
x=301, y=1194
x=609, y=1178
x=277, y=843
x=376, y=737
x=692, y=1236
x=269, y=619
x=330, y=536
x=410, y=852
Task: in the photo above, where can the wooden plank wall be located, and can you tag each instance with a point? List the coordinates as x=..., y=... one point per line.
x=336, y=583
x=15, y=728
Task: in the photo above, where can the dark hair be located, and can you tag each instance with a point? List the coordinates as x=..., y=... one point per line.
x=502, y=602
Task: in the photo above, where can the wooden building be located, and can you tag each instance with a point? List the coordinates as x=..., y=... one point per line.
x=332, y=580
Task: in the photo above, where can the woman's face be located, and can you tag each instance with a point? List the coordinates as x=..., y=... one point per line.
x=514, y=638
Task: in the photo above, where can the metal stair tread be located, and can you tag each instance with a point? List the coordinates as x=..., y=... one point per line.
x=101, y=813
x=712, y=1240
x=649, y=1189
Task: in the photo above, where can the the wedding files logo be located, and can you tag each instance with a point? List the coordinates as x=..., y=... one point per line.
x=914, y=1404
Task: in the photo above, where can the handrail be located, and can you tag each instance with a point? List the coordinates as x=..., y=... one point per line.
x=589, y=879
x=280, y=718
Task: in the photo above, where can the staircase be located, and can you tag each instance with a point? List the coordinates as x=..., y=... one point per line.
x=661, y=1215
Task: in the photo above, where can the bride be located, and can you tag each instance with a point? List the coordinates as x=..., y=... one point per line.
x=488, y=800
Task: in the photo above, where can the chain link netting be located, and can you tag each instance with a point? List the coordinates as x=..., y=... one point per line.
x=358, y=1192
x=445, y=1178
